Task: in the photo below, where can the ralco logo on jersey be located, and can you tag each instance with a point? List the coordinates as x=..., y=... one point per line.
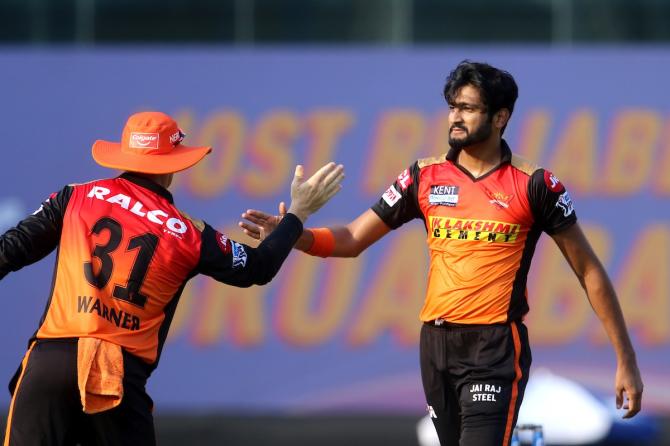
x=174, y=225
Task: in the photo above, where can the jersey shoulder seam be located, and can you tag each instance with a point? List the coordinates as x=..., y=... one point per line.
x=525, y=166
x=425, y=162
x=199, y=224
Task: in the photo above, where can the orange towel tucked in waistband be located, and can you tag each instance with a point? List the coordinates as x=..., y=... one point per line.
x=99, y=374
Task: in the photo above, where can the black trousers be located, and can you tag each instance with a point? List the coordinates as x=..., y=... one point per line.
x=474, y=379
x=46, y=408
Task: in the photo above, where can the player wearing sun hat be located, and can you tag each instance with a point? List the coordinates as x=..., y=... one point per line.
x=125, y=253
x=151, y=143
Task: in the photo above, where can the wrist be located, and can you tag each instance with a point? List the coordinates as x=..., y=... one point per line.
x=323, y=243
x=305, y=241
x=300, y=213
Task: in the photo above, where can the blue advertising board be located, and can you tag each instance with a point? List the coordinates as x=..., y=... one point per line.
x=341, y=334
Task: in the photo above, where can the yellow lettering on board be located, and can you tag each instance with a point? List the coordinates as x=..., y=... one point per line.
x=644, y=286
x=223, y=131
x=631, y=151
x=270, y=154
x=394, y=298
x=314, y=297
x=574, y=156
x=533, y=135
x=399, y=136
x=227, y=312
x=438, y=136
x=660, y=178
x=559, y=309
x=234, y=313
x=325, y=129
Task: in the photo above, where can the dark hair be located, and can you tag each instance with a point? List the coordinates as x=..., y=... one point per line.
x=496, y=87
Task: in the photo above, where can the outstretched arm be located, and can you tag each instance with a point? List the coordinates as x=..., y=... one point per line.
x=236, y=264
x=350, y=240
x=591, y=274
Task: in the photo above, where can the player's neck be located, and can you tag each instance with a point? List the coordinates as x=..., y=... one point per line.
x=479, y=159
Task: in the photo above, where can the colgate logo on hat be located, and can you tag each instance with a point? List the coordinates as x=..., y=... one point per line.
x=143, y=140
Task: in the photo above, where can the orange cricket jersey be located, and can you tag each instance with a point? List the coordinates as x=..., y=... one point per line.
x=481, y=232
x=125, y=253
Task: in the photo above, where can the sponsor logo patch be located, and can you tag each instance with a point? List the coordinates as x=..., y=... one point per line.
x=140, y=140
x=490, y=231
x=500, y=199
x=553, y=183
x=565, y=203
x=239, y=255
x=485, y=392
x=391, y=196
x=404, y=179
x=173, y=226
x=443, y=195
x=224, y=243
x=177, y=137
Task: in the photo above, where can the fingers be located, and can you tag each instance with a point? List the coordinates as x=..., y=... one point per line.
x=282, y=209
x=252, y=231
x=336, y=175
x=253, y=218
x=258, y=217
x=633, y=405
x=298, y=176
x=330, y=191
x=322, y=173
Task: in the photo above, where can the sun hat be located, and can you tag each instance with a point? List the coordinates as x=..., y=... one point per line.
x=150, y=143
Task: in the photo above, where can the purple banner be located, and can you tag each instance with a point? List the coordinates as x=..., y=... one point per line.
x=341, y=334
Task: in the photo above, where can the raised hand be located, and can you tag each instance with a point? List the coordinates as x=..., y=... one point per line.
x=309, y=196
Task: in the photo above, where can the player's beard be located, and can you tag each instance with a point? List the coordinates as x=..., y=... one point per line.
x=480, y=134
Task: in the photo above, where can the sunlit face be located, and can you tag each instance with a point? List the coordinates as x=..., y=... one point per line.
x=469, y=122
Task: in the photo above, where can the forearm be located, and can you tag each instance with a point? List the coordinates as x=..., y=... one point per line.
x=346, y=241
x=346, y=244
x=605, y=304
x=272, y=251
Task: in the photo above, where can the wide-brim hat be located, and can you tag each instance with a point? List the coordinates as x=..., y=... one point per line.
x=150, y=143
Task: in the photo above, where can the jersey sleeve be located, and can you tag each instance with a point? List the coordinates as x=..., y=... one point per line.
x=399, y=203
x=241, y=265
x=550, y=201
x=34, y=237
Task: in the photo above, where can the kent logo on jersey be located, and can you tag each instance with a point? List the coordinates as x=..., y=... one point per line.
x=443, y=195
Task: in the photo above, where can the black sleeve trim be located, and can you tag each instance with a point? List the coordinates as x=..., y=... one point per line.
x=400, y=202
x=35, y=236
x=240, y=265
x=550, y=202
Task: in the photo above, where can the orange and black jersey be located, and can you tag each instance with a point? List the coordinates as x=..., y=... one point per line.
x=125, y=253
x=481, y=232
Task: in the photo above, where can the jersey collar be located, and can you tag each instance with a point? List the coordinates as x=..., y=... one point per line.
x=506, y=158
x=148, y=184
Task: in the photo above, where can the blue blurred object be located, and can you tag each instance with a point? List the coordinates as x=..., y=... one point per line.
x=640, y=430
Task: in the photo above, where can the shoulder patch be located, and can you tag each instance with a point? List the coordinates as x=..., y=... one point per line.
x=524, y=165
x=425, y=162
x=199, y=224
